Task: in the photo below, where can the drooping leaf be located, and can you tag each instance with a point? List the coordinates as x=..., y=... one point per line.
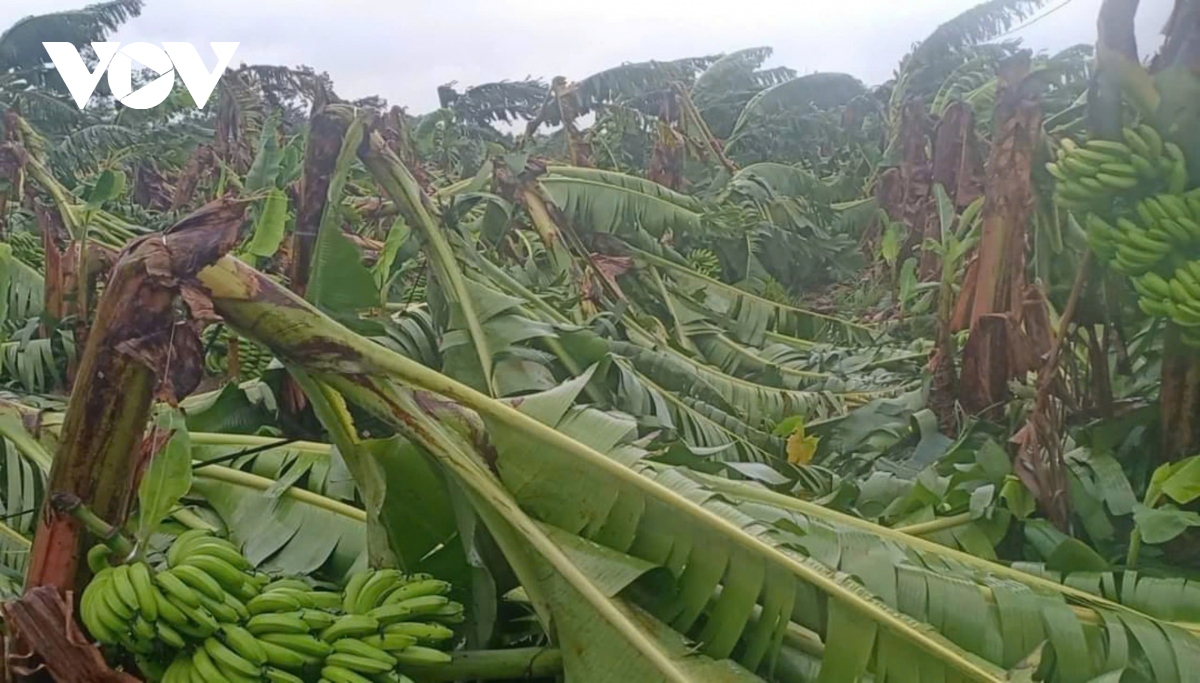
x=269, y=228
x=167, y=479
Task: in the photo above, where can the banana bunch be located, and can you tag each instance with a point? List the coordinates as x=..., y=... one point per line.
x=253, y=358
x=1161, y=227
x=1094, y=175
x=207, y=582
x=705, y=262
x=206, y=616
x=1177, y=298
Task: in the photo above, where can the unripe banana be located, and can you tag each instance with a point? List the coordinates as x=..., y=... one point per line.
x=244, y=644
x=357, y=648
x=1110, y=147
x=97, y=558
x=1153, y=140
x=112, y=599
x=274, y=675
x=197, y=579
x=353, y=586
x=422, y=656
x=169, y=635
x=124, y=586
x=275, y=601
x=409, y=609
x=277, y=622
x=304, y=644
x=1117, y=182
x=287, y=583
x=173, y=587
x=182, y=542
x=143, y=586
x=418, y=589
x=374, y=590
x=363, y=665
x=340, y=674
x=229, y=577
x=423, y=632
x=387, y=642
x=317, y=620
x=1137, y=143
x=283, y=657
x=351, y=626
x=229, y=660
x=206, y=669
x=222, y=550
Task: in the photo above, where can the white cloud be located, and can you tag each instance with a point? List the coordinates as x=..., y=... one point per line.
x=403, y=51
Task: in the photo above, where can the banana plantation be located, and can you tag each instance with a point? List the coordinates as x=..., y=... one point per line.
x=693, y=371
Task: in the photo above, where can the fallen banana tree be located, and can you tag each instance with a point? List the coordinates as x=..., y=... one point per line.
x=562, y=487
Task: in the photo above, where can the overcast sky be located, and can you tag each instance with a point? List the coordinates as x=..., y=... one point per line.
x=404, y=50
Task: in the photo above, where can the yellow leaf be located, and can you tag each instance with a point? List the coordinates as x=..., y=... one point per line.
x=801, y=448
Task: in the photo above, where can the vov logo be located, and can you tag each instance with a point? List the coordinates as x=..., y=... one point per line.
x=118, y=61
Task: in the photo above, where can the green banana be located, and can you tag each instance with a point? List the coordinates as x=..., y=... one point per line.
x=1117, y=182
x=221, y=611
x=316, y=619
x=351, y=626
x=326, y=600
x=1154, y=285
x=175, y=588
x=168, y=612
x=424, y=632
x=143, y=586
x=169, y=635
x=338, y=674
x=229, y=577
x=97, y=558
x=1153, y=140
x=374, y=590
x=227, y=659
x=244, y=644
x=143, y=629
x=363, y=665
x=301, y=643
x=205, y=669
x=422, y=656
x=197, y=579
x=449, y=614
x=1079, y=167
x=277, y=622
x=283, y=657
x=293, y=584
x=1142, y=165
x=424, y=587
x=199, y=619
x=275, y=601
x=104, y=624
x=1175, y=231
x=1110, y=147
x=1095, y=187
x=1137, y=143
x=113, y=600
x=387, y=642
x=181, y=543
x=274, y=675
x=1054, y=170
x=1125, y=170
x=238, y=606
x=123, y=585
x=356, y=647
x=1093, y=157
x=223, y=550
x=407, y=609
x=353, y=586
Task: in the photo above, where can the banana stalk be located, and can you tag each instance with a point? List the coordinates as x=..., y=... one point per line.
x=135, y=349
